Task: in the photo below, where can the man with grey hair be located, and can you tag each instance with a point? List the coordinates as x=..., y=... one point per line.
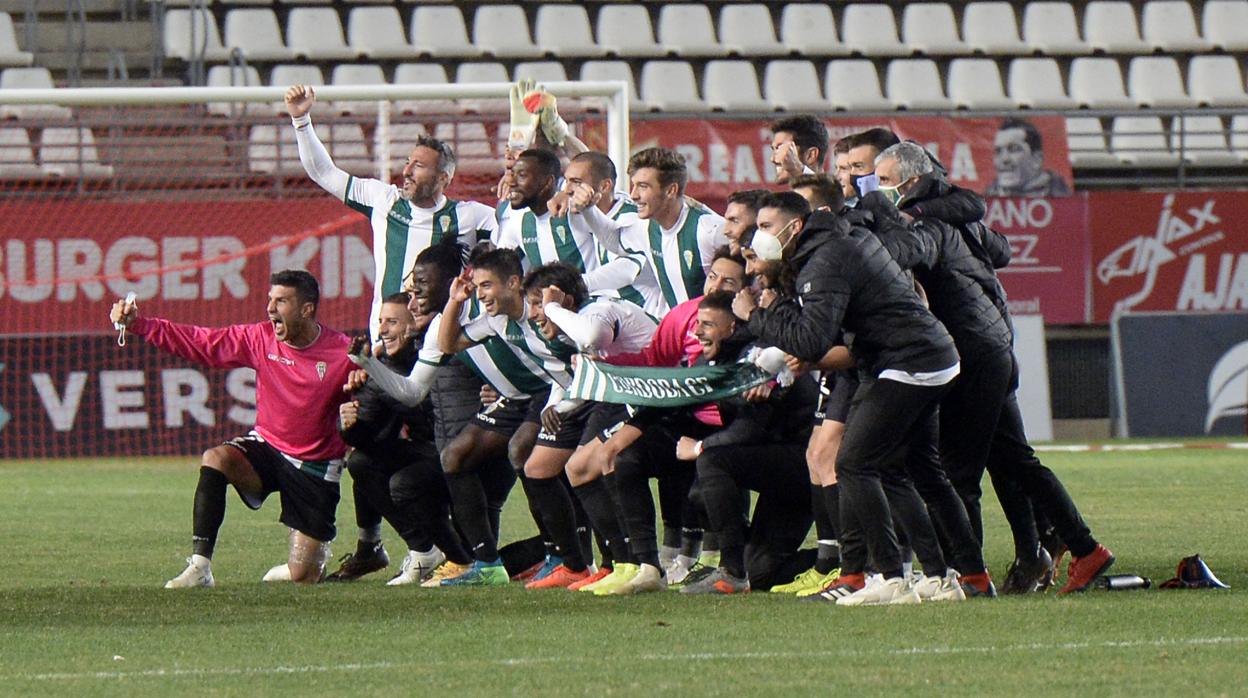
x=405, y=220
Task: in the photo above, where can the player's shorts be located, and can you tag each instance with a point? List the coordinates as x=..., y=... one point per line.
x=836, y=389
x=571, y=427
x=309, y=501
x=605, y=419
x=506, y=415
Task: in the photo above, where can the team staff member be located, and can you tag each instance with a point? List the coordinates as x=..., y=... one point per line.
x=295, y=448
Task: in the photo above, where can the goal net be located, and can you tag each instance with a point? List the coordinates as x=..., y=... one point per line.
x=190, y=198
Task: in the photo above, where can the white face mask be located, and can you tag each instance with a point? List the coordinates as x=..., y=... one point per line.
x=768, y=246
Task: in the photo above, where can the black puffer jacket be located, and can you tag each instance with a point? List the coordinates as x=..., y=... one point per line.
x=847, y=280
x=379, y=424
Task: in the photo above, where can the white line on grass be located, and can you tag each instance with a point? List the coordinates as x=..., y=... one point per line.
x=695, y=656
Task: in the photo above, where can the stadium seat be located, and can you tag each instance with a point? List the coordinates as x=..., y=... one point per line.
x=613, y=70
x=255, y=31
x=992, y=28
x=687, y=30
x=747, y=30
x=670, y=86
x=349, y=149
x=732, y=86
x=1037, y=83
x=1239, y=136
x=1097, y=83
x=930, y=28
x=1216, y=81
x=1201, y=140
x=223, y=76
x=30, y=78
x=377, y=32
x=625, y=30
x=503, y=31
x=1224, y=24
x=351, y=74
x=854, y=85
x=810, y=29
x=481, y=72
x=975, y=83
x=428, y=73
x=1110, y=26
x=17, y=160
x=1141, y=141
x=1154, y=81
x=471, y=142
x=315, y=33
x=1051, y=28
x=1169, y=25
x=870, y=29
x=1085, y=140
x=541, y=71
x=439, y=31
x=10, y=54
x=793, y=85
x=272, y=149
x=914, y=83
x=402, y=138
x=564, y=31
x=177, y=38
x=287, y=75
x=70, y=152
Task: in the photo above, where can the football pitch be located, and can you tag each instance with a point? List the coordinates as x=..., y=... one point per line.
x=88, y=544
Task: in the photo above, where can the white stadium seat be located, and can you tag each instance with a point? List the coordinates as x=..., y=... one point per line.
x=810, y=29
x=255, y=31
x=1085, y=139
x=428, y=73
x=1154, y=81
x=732, y=86
x=481, y=72
x=1216, y=81
x=687, y=30
x=564, y=31
x=402, y=138
x=871, y=30
x=471, y=143
x=439, y=31
x=1201, y=140
x=793, y=85
x=670, y=86
x=1239, y=136
x=287, y=75
x=178, y=41
x=541, y=72
x=1097, y=83
x=272, y=149
x=1224, y=23
x=377, y=32
x=316, y=33
x=503, y=31
x=975, y=83
x=748, y=31
x=349, y=149
x=613, y=70
x=914, y=83
x=70, y=152
x=1051, y=27
x=10, y=54
x=1037, y=83
x=854, y=85
x=223, y=76
x=992, y=28
x=625, y=30
x=1141, y=141
x=17, y=159
x=1110, y=26
x=1169, y=25
x=30, y=78
x=353, y=74
x=930, y=28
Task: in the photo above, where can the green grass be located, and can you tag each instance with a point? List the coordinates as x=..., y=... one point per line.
x=87, y=545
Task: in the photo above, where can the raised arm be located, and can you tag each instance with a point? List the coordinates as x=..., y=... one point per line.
x=312, y=153
x=451, y=337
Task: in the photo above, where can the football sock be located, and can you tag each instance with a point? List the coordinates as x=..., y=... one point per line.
x=370, y=535
x=468, y=500
x=691, y=542
x=601, y=511
x=732, y=559
x=552, y=502
x=209, y=511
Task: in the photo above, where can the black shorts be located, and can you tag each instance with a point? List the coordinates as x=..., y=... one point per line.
x=507, y=414
x=605, y=419
x=836, y=389
x=571, y=427
x=309, y=502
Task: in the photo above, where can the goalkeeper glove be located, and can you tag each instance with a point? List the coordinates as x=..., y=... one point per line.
x=523, y=122
x=543, y=104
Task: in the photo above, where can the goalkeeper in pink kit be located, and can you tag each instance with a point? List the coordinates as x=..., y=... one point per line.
x=294, y=449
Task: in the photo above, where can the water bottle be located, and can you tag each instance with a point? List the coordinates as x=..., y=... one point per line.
x=1123, y=582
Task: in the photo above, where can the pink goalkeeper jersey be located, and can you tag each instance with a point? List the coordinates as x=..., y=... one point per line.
x=297, y=390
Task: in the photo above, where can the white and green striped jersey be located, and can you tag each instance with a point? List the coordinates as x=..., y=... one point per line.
x=643, y=290
x=544, y=239
x=548, y=361
x=402, y=230
x=510, y=373
x=604, y=326
x=682, y=255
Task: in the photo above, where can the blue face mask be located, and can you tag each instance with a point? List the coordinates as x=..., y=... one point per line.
x=863, y=184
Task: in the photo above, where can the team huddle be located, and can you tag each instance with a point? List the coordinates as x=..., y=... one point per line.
x=868, y=298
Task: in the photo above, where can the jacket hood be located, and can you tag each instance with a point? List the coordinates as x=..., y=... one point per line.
x=820, y=227
x=932, y=185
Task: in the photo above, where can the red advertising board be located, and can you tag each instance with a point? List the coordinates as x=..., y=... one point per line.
x=724, y=156
x=1184, y=252
x=1049, y=269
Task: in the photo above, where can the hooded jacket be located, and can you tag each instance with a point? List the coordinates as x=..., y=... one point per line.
x=847, y=280
x=379, y=424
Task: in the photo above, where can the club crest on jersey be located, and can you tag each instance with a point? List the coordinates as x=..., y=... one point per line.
x=321, y=368
x=689, y=259
x=444, y=222
x=561, y=233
